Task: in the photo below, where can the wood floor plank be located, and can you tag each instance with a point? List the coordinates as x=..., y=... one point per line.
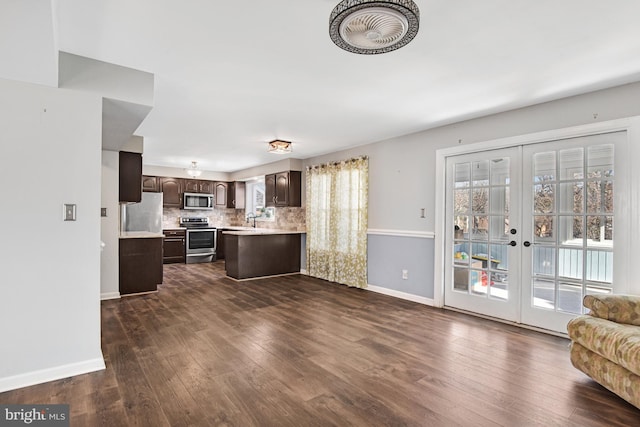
x=206, y=350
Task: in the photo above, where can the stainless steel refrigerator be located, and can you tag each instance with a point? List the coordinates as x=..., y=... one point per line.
x=143, y=216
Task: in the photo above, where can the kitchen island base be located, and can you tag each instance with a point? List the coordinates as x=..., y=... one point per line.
x=253, y=255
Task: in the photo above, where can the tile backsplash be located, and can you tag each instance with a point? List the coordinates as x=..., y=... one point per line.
x=285, y=218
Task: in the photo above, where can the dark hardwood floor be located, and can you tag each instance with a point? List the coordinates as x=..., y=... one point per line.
x=296, y=351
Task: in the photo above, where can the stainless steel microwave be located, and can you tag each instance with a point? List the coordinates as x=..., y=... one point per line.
x=198, y=201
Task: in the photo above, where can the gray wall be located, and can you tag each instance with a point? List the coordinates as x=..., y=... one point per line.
x=402, y=173
x=389, y=255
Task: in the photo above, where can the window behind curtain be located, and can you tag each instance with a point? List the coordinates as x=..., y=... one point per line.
x=337, y=202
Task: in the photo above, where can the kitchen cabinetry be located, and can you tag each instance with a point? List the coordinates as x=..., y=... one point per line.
x=283, y=189
x=227, y=194
x=261, y=254
x=171, y=192
x=174, y=246
x=198, y=186
x=235, y=195
x=130, y=177
x=220, y=244
x=206, y=187
x=150, y=184
x=221, y=194
x=140, y=265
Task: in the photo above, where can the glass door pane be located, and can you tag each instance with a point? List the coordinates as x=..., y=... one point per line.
x=481, y=218
x=568, y=219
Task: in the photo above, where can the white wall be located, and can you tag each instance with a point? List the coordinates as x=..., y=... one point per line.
x=109, y=226
x=28, y=41
x=105, y=79
x=50, y=274
x=181, y=173
x=289, y=164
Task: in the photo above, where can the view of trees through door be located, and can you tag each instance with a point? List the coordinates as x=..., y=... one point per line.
x=532, y=227
x=571, y=191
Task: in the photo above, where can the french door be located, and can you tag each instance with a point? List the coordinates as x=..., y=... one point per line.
x=483, y=217
x=532, y=229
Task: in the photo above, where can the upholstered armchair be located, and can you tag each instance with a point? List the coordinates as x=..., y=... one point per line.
x=606, y=343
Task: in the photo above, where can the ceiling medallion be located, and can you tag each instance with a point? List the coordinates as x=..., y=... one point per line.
x=370, y=27
x=279, y=147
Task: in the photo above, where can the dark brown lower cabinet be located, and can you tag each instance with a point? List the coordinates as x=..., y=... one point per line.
x=174, y=246
x=140, y=265
x=257, y=255
x=220, y=244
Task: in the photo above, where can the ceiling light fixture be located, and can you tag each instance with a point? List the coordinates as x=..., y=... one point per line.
x=279, y=147
x=193, y=170
x=371, y=27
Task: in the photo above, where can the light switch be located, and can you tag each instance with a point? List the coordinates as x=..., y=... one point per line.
x=69, y=212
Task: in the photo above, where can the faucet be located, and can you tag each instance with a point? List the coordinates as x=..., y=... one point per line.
x=252, y=216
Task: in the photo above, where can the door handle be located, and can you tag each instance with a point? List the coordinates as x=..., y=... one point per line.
x=527, y=244
x=512, y=243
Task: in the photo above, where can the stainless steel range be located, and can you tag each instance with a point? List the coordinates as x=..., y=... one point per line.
x=201, y=239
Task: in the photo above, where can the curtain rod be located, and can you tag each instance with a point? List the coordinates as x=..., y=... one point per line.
x=338, y=162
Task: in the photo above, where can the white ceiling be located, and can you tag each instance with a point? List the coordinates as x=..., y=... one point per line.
x=232, y=75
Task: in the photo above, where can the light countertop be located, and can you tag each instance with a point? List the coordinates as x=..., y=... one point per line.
x=250, y=231
x=139, y=235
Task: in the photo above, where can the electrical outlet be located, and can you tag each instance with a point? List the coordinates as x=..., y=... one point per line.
x=405, y=274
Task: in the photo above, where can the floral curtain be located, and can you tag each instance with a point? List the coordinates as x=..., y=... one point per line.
x=337, y=205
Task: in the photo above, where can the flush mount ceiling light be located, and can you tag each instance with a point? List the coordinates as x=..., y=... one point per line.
x=279, y=147
x=370, y=27
x=193, y=170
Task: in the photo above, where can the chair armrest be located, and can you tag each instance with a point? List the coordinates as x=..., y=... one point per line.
x=617, y=308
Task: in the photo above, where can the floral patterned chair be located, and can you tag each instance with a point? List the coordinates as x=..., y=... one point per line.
x=606, y=343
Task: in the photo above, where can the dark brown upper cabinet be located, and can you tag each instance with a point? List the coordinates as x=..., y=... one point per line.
x=150, y=184
x=221, y=194
x=190, y=185
x=171, y=192
x=130, y=177
x=206, y=187
x=236, y=194
x=283, y=189
x=198, y=186
x=270, y=190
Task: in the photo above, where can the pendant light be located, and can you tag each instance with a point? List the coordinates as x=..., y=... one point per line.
x=193, y=170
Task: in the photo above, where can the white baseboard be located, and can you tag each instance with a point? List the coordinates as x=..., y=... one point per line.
x=394, y=293
x=401, y=295
x=51, y=374
x=110, y=295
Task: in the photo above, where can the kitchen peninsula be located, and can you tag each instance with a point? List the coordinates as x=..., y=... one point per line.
x=261, y=252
